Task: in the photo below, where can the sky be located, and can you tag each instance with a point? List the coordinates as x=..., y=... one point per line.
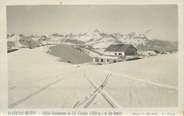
x=161, y=20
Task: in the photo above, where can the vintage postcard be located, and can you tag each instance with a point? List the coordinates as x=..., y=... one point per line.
x=94, y=56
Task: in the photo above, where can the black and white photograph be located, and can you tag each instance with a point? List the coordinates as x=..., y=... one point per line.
x=92, y=56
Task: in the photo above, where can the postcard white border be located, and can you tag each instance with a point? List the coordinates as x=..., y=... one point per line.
x=3, y=53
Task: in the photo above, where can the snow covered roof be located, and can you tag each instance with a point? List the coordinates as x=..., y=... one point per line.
x=107, y=57
x=119, y=47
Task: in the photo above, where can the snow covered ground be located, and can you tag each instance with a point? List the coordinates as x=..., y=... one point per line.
x=150, y=82
x=40, y=80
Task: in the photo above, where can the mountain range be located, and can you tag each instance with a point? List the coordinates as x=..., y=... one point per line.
x=95, y=39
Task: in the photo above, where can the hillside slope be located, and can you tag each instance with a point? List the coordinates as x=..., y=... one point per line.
x=36, y=76
x=162, y=69
x=149, y=82
x=69, y=54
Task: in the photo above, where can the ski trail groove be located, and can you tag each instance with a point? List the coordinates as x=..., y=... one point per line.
x=38, y=91
x=141, y=80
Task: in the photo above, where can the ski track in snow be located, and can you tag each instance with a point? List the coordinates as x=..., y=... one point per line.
x=141, y=80
x=12, y=105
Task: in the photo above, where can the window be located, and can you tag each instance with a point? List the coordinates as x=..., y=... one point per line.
x=115, y=54
x=101, y=60
x=120, y=54
x=107, y=60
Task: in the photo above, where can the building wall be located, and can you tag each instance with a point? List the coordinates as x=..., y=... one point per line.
x=115, y=53
x=119, y=53
x=99, y=60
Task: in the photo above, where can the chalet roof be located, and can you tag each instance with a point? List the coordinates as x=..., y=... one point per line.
x=108, y=57
x=119, y=47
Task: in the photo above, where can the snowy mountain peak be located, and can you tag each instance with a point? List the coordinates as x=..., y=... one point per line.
x=94, y=39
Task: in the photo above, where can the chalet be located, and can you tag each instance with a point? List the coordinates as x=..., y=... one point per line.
x=116, y=53
x=121, y=50
x=106, y=59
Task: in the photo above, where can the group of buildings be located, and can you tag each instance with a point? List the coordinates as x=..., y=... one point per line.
x=115, y=53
